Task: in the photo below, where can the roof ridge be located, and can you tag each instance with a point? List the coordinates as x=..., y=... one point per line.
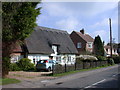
x=51, y=29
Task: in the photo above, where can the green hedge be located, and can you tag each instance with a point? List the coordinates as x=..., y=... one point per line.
x=101, y=58
x=116, y=59
x=23, y=64
x=14, y=67
x=110, y=61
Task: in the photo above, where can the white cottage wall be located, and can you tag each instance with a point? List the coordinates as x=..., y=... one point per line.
x=37, y=57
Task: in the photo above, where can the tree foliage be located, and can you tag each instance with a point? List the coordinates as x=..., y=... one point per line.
x=98, y=46
x=18, y=21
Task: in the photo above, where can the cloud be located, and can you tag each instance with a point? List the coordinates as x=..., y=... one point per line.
x=102, y=33
x=77, y=8
x=105, y=22
x=68, y=24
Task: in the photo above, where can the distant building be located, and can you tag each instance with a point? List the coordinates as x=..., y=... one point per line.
x=82, y=41
x=45, y=42
x=118, y=50
x=108, y=50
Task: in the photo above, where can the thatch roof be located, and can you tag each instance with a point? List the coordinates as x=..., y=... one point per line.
x=42, y=39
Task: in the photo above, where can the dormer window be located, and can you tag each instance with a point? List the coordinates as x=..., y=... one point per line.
x=55, y=49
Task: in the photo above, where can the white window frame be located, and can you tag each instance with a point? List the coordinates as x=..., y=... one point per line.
x=89, y=44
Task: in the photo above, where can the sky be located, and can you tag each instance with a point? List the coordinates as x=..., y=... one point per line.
x=92, y=16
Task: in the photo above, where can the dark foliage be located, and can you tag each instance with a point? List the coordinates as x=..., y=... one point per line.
x=98, y=46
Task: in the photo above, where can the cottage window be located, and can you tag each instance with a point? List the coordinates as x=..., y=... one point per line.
x=69, y=59
x=114, y=50
x=107, y=49
x=54, y=47
x=79, y=45
x=58, y=59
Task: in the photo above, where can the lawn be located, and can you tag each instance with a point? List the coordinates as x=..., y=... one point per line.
x=8, y=81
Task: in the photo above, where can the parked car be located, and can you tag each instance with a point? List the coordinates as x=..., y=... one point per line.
x=45, y=65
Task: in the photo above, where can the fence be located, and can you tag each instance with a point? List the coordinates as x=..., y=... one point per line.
x=83, y=65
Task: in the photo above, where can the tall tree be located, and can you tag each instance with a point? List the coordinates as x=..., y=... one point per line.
x=98, y=48
x=18, y=20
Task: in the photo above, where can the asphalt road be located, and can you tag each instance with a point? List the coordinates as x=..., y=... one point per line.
x=102, y=78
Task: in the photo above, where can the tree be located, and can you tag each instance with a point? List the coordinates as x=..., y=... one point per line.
x=18, y=20
x=98, y=48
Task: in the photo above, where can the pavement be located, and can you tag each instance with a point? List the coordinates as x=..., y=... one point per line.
x=38, y=81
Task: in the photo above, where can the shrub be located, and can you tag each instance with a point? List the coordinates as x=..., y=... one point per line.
x=14, y=67
x=87, y=58
x=111, y=61
x=25, y=64
x=101, y=58
x=116, y=59
x=79, y=60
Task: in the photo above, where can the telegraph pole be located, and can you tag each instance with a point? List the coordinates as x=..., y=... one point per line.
x=110, y=38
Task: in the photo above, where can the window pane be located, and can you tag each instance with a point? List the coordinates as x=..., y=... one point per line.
x=79, y=45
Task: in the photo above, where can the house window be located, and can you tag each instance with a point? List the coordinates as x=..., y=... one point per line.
x=89, y=45
x=107, y=49
x=58, y=59
x=79, y=45
x=69, y=58
x=114, y=50
x=54, y=47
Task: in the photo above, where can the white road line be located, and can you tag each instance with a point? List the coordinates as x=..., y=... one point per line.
x=88, y=87
x=95, y=83
x=44, y=81
x=99, y=82
x=114, y=75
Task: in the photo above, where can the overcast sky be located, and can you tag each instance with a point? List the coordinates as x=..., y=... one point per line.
x=92, y=16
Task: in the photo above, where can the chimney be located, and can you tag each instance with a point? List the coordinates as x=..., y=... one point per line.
x=82, y=31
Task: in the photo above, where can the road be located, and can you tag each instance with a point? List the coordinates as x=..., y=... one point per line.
x=102, y=78
x=99, y=78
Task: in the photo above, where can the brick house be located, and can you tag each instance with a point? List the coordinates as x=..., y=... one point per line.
x=82, y=41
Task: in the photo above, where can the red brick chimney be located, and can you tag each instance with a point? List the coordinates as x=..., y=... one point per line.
x=82, y=31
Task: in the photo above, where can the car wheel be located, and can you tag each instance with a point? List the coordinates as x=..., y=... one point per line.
x=49, y=69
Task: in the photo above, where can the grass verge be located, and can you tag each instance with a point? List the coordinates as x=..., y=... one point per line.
x=6, y=81
x=76, y=71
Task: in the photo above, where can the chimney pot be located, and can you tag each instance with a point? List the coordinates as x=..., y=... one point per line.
x=82, y=31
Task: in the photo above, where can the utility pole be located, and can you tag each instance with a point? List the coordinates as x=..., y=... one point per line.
x=110, y=38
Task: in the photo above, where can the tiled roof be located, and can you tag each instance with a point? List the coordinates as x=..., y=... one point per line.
x=86, y=37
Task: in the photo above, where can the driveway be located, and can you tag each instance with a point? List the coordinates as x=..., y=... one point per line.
x=29, y=76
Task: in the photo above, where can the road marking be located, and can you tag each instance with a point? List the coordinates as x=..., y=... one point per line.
x=99, y=82
x=95, y=83
x=88, y=87
x=114, y=75
x=45, y=81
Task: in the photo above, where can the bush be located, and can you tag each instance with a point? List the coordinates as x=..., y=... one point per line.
x=111, y=61
x=14, y=67
x=25, y=64
x=116, y=59
x=79, y=60
x=101, y=58
x=86, y=58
